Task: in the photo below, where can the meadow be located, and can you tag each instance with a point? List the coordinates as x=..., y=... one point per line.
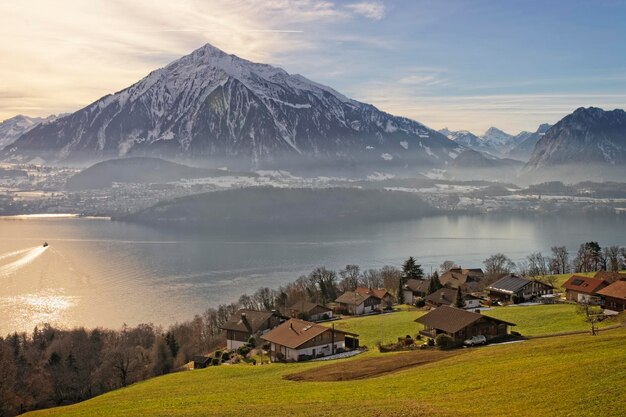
x=571, y=375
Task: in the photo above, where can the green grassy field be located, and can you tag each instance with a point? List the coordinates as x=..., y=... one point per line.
x=572, y=375
x=384, y=327
x=542, y=319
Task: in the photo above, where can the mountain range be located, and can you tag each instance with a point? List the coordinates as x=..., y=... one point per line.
x=498, y=143
x=218, y=108
x=12, y=128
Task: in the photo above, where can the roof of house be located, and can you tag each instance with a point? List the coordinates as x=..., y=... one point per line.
x=509, y=284
x=307, y=307
x=583, y=284
x=295, y=332
x=609, y=277
x=615, y=290
x=451, y=319
x=459, y=276
x=417, y=285
x=354, y=298
x=378, y=292
x=249, y=321
x=443, y=296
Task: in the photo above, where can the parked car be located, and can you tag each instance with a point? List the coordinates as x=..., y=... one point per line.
x=475, y=340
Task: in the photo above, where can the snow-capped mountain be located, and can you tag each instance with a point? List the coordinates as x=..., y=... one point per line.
x=470, y=140
x=586, y=136
x=525, y=143
x=12, y=128
x=498, y=140
x=217, y=107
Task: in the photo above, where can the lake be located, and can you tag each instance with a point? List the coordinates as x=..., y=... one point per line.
x=97, y=272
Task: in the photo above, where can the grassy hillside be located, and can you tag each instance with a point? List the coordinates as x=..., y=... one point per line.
x=573, y=375
x=542, y=319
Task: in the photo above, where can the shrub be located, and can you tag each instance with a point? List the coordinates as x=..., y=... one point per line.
x=303, y=316
x=243, y=350
x=420, y=303
x=443, y=341
x=431, y=342
x=217, y=354
x=215, y=361
x=225, y=356
x=325, y=316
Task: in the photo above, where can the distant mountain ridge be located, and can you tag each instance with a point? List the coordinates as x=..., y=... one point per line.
x=588, y=135
x=217, y=107
x=11, y=129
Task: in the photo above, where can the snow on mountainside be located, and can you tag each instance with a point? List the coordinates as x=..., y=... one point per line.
x=470, y=140
x=586, y=136
x=498, y=139
x=12, y=128
x=217, y=107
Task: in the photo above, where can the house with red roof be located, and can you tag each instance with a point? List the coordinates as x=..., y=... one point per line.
x=583, y=289
x=614, y=296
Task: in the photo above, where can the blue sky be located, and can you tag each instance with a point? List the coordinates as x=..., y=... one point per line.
x=460, y=64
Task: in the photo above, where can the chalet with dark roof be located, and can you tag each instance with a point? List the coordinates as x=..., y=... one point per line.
x=583, y=289
x=468, y=279
x=447, y=297
x=461, y=324
x=512, y=287
x=247, y=323
x=414, y=289
x=614, y=296
x=296, y=339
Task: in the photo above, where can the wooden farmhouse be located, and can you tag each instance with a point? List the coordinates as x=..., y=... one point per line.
x=297, y=340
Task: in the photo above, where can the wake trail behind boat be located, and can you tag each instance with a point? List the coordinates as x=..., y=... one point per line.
x=15, y=253
x=29, y=256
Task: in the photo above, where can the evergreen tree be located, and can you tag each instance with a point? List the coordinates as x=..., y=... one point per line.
x=411, y=269
x=434, y=283
x=172, y=343
x=459, y=302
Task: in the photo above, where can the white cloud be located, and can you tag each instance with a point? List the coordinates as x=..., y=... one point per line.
x=373, y=10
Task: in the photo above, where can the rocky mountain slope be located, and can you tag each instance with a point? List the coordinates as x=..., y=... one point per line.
x=588, y=135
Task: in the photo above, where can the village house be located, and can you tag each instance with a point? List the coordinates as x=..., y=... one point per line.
x=414, y=289
x=309, y=311
x=356, y=304
x=614, y=296
x=296, y=340
x=387, y=299
x=447, y=297
x=469, y=280
x=247, y=323
x=461, y=324
x=583, y=289
x=512, y=287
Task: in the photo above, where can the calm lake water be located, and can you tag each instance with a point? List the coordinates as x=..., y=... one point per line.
x=102, y=273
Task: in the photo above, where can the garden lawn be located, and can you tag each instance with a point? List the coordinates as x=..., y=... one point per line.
x=382, y=327
x=518, y=379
